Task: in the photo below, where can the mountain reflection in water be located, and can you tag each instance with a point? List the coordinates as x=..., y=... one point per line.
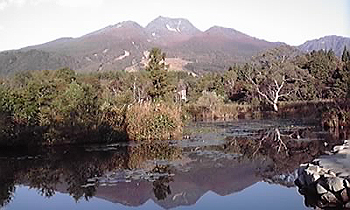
x=225, y=159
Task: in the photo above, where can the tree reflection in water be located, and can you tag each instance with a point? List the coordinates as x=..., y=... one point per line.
x=7, y=190
x=73, y=168
x=177, y=175
x=161, y=188
x=286, y=149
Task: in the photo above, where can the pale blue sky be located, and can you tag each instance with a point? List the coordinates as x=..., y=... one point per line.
x=29, y=22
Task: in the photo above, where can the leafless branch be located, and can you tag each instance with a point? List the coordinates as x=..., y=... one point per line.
x=280, y=141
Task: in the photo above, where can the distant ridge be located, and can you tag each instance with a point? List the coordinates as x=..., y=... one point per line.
x=336, y=43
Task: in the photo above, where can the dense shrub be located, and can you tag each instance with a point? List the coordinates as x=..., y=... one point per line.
x=153, y=121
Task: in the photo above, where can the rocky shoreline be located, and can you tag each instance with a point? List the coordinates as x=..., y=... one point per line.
x=325, y=182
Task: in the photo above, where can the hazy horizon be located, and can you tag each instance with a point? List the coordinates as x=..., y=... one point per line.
x=29, y=22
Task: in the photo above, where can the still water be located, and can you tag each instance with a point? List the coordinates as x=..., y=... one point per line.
x=260, y=195
x=236, y=165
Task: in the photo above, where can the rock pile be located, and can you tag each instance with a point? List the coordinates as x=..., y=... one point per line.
x=323, y=184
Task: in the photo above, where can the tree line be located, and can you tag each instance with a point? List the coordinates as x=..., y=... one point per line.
x=57, y=104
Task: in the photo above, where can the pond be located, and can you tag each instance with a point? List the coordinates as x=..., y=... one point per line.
x=247, y=164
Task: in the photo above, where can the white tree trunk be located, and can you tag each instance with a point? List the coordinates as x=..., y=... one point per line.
x=275, y=107
x=272, y=96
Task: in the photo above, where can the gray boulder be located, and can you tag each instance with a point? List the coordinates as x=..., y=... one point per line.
x=329, y=198
x=320, y=189
x=344, y=195
x=335, y=184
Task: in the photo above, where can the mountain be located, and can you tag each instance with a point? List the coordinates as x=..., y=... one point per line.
x=16, y=61
x=125, y=46
x=187, y=187
x=168, y=31
x=217, y=48
x=114, y=47
x=222, y=176
x=336, y=43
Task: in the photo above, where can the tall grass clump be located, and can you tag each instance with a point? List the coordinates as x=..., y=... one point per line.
x=211, y=106
x=153, y=121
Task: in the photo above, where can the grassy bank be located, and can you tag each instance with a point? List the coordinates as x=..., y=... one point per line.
x=219, y=112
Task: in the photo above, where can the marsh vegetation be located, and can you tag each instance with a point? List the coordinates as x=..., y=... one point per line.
x=63, y=106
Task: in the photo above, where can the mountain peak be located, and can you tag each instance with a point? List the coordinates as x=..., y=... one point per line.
x=124, y=24
x=117, y=29
x=128, y=23
x=162, y=18
x=165, y=30
x=228, y=33
x=171, y=25
x=222, y=29
x=168, y=19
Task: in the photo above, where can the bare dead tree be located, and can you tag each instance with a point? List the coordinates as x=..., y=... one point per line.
x=273, y=92
x=271, y=77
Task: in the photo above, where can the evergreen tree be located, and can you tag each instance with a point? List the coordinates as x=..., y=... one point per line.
x=346, y=68
x=158, y=74
x=346, y=55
